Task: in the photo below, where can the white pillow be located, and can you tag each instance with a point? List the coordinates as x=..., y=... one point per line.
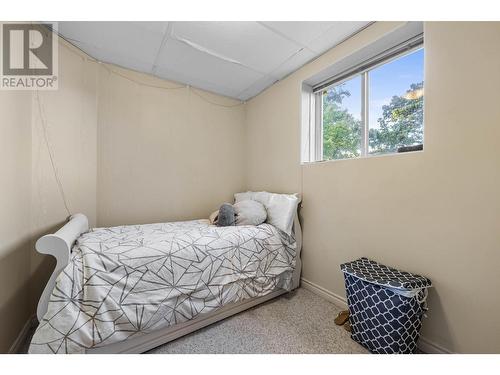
x=250, y=212
x=281, y=208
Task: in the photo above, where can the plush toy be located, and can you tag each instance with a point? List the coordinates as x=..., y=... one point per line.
x=226, y=215
x=246, y=212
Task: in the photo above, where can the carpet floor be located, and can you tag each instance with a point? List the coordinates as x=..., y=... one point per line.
x=297, y=322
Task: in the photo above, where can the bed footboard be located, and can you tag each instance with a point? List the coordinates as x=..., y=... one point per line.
x=59, y=246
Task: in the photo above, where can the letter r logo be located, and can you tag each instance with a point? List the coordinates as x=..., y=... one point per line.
x=27, y=50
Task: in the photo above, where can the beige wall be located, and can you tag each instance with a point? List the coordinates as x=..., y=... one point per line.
x=70, y=115
x=15, y=240
x=177, y=155
x=433, y=212
x=31, y=204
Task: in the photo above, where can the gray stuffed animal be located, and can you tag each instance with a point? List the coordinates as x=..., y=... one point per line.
x=227, y=216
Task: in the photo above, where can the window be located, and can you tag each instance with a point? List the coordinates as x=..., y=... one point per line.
x=376, y=110
x=396, y=104
x=341, y=120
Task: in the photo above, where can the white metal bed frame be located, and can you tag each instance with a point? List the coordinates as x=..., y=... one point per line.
x=59, y=245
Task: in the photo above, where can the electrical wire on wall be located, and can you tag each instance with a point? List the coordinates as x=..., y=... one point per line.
x=112, y=71
x=107, y=67
x=51, y=153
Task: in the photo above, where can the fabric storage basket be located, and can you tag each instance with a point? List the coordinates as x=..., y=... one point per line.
x=385, y=305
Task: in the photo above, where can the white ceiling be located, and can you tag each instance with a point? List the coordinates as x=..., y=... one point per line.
x=235, y=59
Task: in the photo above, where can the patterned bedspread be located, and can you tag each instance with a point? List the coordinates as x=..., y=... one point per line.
x=128, y=280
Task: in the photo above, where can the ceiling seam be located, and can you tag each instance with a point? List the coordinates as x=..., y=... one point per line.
x=270, y=28
x=319, y=54
x=270, y=74
x=250, y=86
x=166, y=35
x=357, y=31
x=207, y=51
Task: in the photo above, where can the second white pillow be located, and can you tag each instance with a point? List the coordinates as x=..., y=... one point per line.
x=250, y=212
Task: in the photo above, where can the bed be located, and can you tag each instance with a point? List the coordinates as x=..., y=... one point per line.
x=128, y=289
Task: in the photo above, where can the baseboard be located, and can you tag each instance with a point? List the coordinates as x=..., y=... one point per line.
x=430, y=347
x=425, y=345
x=23, y=335
x=324, y=293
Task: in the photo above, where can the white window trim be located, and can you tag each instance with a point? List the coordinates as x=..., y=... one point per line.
x=315, y=146
x=365, y=116
x=318, y=126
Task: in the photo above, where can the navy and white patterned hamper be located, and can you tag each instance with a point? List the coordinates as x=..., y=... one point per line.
x=385, y=305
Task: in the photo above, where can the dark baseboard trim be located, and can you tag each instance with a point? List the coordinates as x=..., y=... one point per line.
x=23, y=335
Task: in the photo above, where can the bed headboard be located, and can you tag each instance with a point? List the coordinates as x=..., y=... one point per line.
x=59, y=246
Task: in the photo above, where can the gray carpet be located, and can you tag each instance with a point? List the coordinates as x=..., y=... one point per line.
x=298, y=322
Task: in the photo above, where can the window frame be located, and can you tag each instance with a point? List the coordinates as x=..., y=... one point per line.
x=316, y=108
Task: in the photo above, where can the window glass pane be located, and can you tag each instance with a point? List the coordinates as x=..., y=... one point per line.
x=396, y=102
x=342, y=120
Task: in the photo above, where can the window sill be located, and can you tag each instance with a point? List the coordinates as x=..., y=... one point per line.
x=308, y=163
